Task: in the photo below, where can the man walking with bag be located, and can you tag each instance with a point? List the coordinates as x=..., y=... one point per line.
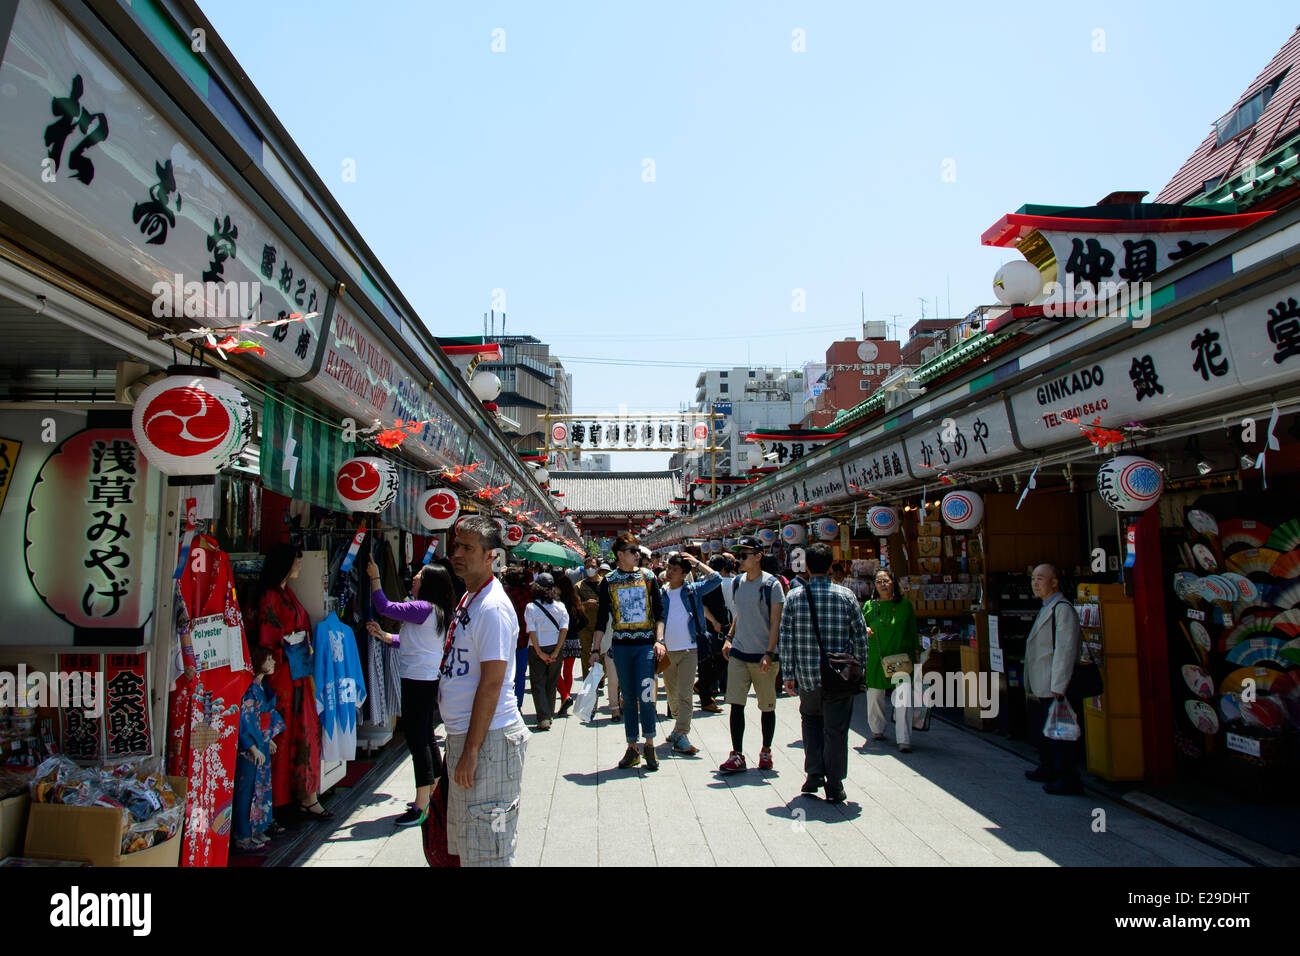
x=1050, y=656
x=820, y=624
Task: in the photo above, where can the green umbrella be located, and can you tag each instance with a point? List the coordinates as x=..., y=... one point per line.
x=545, y=552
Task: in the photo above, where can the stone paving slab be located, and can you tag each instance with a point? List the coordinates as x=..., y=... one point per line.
x=953, y=801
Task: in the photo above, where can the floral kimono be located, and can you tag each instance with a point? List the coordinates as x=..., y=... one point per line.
x=259, y=721
x=295, y=768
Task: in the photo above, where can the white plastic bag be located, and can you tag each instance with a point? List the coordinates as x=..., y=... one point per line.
x=585, y=702
x=1062, y=724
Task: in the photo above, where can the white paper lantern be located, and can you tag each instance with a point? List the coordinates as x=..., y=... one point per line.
x=1129, y=483
x=542, y=476
x=882, y=521
x=366, y=484
x=514, y=535
x=754, y=456
x=485, y=386
x=793, y=534
x=766, y=537
x=715, y=546
x=962, y=510
x=192, y=424
x=827, y=529
x=1017, y=282
x=437, y=509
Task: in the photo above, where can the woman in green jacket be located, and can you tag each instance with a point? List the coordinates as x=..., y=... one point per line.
x=892, y=625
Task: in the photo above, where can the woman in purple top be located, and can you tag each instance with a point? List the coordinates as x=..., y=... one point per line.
x=419, y=642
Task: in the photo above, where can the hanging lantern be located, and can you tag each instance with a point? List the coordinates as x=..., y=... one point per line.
x=366, y=484
x=542, y=476
x=766, y=537
x=882, y=521
x=793, y=534
x=1129, y=483
x=191, y=424
x=754, y=456
x=437, y=509
x=485, y=386
x=826, y=529
x=514, y=536
x=962, y=510
x=533, y=539
x=1017, y=283
x=715, y=546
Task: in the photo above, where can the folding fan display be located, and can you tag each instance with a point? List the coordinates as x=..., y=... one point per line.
x=1230, y=707
x=1288, y=622
x=1286, y=536
x=1218, y=590
x=1239, y=534
x=1245, y=630
x=1255, y=650
x=1291, y=652
x=1285, y=595
x=1286, y=567
x=1264, y=712
x=1253, y=561
x=1247, y=591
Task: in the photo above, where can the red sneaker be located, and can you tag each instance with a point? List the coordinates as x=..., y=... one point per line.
x=765, y=760
x=733, y=764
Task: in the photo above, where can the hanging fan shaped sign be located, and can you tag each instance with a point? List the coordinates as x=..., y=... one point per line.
x=882, y=521
x=192, y=425
x=366, y=484
x=437, y=509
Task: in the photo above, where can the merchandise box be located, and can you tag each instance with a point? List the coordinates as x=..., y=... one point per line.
x=94, y=834
x=13, y=823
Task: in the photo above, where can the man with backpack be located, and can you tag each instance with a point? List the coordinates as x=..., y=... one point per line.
x=820, y=620
x=685, y=635
x=750, y=650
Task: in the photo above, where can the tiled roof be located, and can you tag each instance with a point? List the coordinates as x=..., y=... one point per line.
x=616, y=492
x=1279, y=121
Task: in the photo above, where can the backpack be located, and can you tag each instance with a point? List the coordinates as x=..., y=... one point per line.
x=768, y=582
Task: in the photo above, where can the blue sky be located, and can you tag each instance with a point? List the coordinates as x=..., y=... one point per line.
x=774, y=170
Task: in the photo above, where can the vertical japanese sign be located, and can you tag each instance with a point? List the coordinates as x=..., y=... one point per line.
x=88, y=549
x=81, y=735
x=127, y=731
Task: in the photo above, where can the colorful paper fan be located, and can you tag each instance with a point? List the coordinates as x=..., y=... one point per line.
x=1205, y=557
x=1265, y=679
x=1291, y=652
x=1202, y=522
x=1253, y=650
x=1286, y=567
x=1199, y=638
x=1288, y=622
x=1252, y=561
x=1198, y=681
x=1188, y=588
x=1202, y=716
x=1286, y=595
x=1286, y=536
x=1244, y=631
x=1247, y=591
x=1218, y=590
x=1230, y=707
x=1264, y=712
x=1237, y=534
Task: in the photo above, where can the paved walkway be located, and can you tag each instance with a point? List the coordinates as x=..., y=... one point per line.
x=955, y=800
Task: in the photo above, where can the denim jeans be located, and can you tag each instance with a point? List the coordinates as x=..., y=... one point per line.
x=635, y=664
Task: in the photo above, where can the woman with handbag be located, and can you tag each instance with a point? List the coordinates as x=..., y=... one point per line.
x=572, y=641
x=893, y=649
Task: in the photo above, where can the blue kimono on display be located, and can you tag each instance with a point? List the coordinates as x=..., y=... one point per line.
x=340, y=689
x=259, y=721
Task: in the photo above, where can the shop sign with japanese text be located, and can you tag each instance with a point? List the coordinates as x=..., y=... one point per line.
x=882, y=467
x=84, y=154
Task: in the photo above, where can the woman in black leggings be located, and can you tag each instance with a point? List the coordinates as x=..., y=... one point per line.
x=424, y=626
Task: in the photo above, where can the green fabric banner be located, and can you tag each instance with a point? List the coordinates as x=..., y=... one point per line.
x=301, y=454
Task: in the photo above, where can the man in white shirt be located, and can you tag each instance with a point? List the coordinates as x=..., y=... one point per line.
x=486, y=735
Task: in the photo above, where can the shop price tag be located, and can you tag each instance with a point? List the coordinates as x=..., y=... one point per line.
x=1195, y=615
x=994, y=643
x=995, y=660
x=210, y=638
x=1227, y=620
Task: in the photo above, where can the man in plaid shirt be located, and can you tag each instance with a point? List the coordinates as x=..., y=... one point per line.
x=825, y=717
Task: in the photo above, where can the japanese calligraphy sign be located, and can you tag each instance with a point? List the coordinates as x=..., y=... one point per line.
x=823, y=487
x=882, y=467
x=632, y=433
x=1162, y=374
x=89, y=549
x=9, y=449
x=1119, y=258
x=1265, y=337
x=127, y=730
x=92, y=160
x=970, y=438
x=81, y=735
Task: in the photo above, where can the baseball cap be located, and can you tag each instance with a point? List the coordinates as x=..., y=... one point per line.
x=604, y=567
x=748, y=544
x=544, y=580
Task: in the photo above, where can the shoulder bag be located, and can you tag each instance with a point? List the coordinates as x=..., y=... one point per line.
x=841, y=673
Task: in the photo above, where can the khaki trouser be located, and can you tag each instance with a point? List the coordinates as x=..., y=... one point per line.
x=902, y=715
x=680, y=681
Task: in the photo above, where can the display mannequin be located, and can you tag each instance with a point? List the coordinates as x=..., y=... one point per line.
x=285, y=630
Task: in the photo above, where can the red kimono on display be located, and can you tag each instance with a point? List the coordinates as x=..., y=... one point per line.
x=295, y=767
x=203, y=712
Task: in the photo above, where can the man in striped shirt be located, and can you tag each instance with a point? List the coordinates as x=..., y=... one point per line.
x=825, y=716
